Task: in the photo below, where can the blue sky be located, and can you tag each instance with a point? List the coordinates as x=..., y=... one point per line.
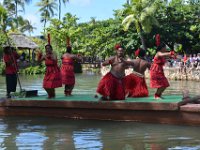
x=83, y=9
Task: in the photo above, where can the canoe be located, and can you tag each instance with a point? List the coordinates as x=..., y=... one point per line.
x=148, y=110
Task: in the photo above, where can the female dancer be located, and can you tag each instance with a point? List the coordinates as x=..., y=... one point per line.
x=157, y=77
x=67, y=70
x=52, y=78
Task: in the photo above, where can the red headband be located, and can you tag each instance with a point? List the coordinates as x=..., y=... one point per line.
x=157, y=40
x=117, y=46
x=68, y=41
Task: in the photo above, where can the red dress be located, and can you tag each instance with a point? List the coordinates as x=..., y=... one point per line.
x=52, y=78
x=157, y=76
x=112, y=87
x=135, y=85
x=67, y=71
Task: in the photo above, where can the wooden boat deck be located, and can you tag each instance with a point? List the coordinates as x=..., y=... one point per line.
x=87, y=107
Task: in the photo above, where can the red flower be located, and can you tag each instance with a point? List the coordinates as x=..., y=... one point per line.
x=137, y=52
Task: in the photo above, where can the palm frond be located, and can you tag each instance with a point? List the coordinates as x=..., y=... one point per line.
x=127, y=21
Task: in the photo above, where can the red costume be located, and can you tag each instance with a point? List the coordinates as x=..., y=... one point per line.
x=12, y=68
x=157, y=77
x=52, y=78
x=135, y=85
x=11, y=71
x=112, y=87
x=67, y=71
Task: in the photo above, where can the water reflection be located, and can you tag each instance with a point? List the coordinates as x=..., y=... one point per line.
x=52, y=133
x=87, y=139
x=45, y=133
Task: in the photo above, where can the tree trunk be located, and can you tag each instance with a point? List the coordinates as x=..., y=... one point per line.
x=45, y=21
x=142, y=41
x=59, y=9
x=128, y=2
x=141, y=35
x=16, y=15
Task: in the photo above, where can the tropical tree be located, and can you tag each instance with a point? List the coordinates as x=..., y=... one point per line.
x=26, y=26
x=12, y=6
x=141, y=14
x=3, y=26
x=46, y=9
x=179, y=24
x=59, y=5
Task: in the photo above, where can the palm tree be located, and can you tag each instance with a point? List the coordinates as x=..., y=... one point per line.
x=25, y=25
x=93, y=20
x=141, y=13
x=4, y=18
x=127, y=2
x=12, y=6
x=63, y=1
x=47, y=8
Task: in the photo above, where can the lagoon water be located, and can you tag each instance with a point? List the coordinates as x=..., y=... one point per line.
x=35, y=133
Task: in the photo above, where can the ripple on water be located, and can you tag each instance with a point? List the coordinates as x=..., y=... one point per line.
x=29, y=140
x=88, y=139
x=185, y=148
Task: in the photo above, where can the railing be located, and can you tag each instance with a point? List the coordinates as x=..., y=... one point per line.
x=91, y=60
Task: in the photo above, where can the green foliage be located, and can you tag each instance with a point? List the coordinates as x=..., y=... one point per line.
x=141, y=14
x=33, y=70
x=2, y=68
x=177, y=21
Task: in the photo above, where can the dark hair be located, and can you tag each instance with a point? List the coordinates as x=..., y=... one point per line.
x=49, y=46
x=162, y=45
x=6, y=49
x=142, y=52
x=69, y=49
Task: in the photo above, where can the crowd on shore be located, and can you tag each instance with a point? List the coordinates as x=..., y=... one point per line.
x=184, y=68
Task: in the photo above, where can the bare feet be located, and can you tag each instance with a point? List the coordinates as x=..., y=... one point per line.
x=158, y=97
x=127, y=94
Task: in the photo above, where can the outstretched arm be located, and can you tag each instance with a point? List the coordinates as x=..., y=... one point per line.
x=130, y=63
x=166, y=54
x=109, y=61
x=40, y=57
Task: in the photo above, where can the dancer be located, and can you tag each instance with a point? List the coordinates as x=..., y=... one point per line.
x=10, y=58
x=135, y=83
x=111, y=86
x=67, y=70
x=52, y=78
x=157, y=77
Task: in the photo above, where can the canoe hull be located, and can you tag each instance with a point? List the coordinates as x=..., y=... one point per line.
x=164, y=113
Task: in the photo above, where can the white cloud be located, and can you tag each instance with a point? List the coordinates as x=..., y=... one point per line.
x=80, y=2
x=1, y=1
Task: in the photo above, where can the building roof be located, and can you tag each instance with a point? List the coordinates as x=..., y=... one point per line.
x=22, y=42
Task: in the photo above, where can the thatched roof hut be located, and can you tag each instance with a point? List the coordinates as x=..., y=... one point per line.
x=22, y=42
